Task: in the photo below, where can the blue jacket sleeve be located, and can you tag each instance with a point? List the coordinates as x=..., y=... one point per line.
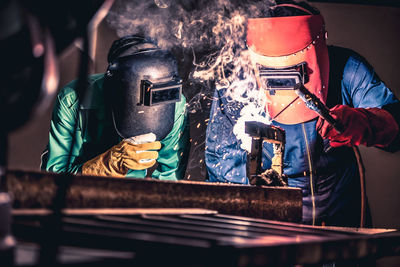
x=225, y=160
x=362, y=88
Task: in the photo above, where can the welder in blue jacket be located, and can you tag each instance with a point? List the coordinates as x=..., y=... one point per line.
x=291, y=39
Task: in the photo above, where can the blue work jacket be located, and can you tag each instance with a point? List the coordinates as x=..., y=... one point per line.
x=329, y=180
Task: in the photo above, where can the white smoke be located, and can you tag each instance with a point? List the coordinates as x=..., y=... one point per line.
x=218, y=25
x=213, y=34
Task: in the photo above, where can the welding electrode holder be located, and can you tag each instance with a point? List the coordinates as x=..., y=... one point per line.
x=314, y=103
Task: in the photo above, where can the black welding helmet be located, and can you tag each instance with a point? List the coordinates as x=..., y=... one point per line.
x=142, y=85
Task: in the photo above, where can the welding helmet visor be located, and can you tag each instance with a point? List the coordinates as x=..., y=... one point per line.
x=142, y=88
x=285, y=51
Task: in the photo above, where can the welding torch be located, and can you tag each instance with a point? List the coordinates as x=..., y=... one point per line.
x=314, y=103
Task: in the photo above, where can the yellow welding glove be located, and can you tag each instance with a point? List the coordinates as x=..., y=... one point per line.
x=120, y=158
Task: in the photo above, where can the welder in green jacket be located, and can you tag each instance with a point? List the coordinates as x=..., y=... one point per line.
x=129, y=119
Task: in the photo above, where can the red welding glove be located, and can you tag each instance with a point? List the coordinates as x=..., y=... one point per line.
x=365, y=126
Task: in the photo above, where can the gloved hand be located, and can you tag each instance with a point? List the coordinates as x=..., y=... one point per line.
x=365, y=126
x=124, y=156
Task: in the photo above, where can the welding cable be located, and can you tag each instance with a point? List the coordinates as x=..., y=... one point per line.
x=288, y=105
x=292, y=6
x=361, y=170
x=314, y=103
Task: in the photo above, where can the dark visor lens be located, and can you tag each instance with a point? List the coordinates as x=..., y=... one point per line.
x=280, y=82
x=171, y=94
x=160, y=93
x=283, y=78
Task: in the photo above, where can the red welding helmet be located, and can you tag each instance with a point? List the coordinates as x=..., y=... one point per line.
x=284, y=51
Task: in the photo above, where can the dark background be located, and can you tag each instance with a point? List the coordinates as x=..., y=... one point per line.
x=371, y=30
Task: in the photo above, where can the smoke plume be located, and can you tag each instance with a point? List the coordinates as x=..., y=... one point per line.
x=212, y=35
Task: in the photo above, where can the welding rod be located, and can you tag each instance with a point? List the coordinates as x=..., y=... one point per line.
x=314, y=103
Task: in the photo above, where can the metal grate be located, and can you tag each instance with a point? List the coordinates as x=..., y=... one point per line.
x=206, y=239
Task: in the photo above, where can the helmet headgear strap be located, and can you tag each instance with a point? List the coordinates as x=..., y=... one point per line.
x=294, y=6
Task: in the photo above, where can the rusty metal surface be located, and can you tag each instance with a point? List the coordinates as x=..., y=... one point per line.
x=38, y=190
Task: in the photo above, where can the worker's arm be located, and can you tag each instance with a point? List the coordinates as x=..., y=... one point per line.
x=65, y=139
x=225, y=160
x=369, y=110
x=362, y=126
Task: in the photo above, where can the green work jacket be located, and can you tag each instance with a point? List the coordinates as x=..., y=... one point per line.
x=81, y=130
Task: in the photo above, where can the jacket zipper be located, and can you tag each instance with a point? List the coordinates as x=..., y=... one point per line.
x=311, y=174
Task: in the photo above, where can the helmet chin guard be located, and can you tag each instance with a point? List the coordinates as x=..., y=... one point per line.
x=284, y=51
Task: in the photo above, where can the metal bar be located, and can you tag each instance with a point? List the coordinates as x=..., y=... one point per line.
x=93, y=30
x=247, y=230
x=151, y=235
x=326, y=229
x=294, y=229
x=116, y=211
x=88, y=233
x=37, y=190
x=121, y=229
x=176, y=224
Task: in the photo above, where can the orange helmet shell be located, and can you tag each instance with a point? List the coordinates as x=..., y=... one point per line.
x=281, y=42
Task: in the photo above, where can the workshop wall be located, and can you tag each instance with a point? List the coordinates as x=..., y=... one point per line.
x=373, y=32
